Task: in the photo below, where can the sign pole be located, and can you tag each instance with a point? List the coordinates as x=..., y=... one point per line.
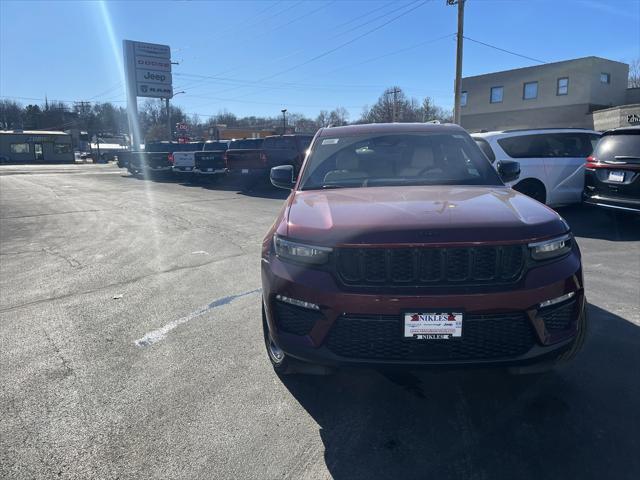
x=132, y=99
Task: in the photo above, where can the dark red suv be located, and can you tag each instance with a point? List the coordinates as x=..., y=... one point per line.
x=400, y=245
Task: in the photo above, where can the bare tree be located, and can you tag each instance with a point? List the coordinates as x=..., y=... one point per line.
x=634, y=73
x=338, y=117
x=11, y=115
x=323, y=119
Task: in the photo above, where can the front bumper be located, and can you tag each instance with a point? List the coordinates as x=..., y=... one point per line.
x=338, y=306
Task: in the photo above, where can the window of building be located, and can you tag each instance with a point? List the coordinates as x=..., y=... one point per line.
x=463, y=99
x=61, y=148
x=549, y=145
x=605, y=77
x=19, y=148
x=496, y=94
x=563, y=86
x=530, y=90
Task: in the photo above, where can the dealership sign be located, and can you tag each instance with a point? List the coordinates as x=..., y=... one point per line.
x=151, y=76
x=148, y=69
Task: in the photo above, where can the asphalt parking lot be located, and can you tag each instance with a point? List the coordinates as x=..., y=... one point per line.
x=131, y=347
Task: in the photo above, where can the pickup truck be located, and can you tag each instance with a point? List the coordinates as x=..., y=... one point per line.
x=245, y=156
x=156, y=158
x=183, y=157
x=274, y=151
x=210, y=161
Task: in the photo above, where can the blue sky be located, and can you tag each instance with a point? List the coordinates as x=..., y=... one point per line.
x=255, y=50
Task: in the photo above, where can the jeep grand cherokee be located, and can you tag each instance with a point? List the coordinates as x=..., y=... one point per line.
x=400, y=245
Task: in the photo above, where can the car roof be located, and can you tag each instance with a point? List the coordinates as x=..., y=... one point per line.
x=521, y=132
x=381, y=128
x=623, y=130
x=290, y=135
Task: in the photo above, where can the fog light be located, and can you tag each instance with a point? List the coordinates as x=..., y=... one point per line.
x=297, y=303
x=553, y=301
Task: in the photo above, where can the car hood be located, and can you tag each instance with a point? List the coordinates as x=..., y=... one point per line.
x=418, y=214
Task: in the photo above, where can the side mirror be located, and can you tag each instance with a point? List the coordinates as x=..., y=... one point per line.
x=282, y=177
x=508, y=170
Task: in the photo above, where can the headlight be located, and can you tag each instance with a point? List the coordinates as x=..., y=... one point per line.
x=300, y=252
x=553, y=248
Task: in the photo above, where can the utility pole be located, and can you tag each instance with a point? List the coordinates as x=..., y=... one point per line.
x=284, y=120
x=394, y=114
x=460, y=38
x=82, y=109
x=169, y=129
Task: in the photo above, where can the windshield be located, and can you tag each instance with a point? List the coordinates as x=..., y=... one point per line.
x=162, y=147
x=246, y=144
x=405, y=159
x=213, y=146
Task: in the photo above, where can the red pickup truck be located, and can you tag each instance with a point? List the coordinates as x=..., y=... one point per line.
x=255, y=157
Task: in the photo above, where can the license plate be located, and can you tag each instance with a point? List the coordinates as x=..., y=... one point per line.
x=209, y=169
x=245, y=170
x=432, y=325
x=616, y=176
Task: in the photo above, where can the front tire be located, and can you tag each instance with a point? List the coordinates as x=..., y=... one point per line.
x=532, y=188
x=280, y=362
x=563, y=358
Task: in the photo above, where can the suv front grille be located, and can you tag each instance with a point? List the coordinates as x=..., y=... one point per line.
x=430, y=266
x=379, y=337
x=295, y=320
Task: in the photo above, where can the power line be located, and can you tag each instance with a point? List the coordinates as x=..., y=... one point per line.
x=284, y=85
x=293, y=20
x=243, y=65
x=342, y=45
x=389, y=54
x=277, y=59
x=503, y=50
x=257, y=102
x=41, y=99
x=247, y=20
x=109, y=90
x=289, y=85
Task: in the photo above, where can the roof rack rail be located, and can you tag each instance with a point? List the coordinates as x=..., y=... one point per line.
x=543, y=128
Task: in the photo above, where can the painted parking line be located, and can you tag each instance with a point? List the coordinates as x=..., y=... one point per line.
x=157, y=335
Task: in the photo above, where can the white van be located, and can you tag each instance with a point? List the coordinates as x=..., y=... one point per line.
x=551, y=160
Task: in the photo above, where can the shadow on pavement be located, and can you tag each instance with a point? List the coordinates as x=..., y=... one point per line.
x=579, y=421
x=602, y=224
x=249, y=187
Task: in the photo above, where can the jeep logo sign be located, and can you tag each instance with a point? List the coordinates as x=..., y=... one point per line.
x=150, y=76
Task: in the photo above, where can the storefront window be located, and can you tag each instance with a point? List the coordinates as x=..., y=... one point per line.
x=19, y=148
x=60, y=148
